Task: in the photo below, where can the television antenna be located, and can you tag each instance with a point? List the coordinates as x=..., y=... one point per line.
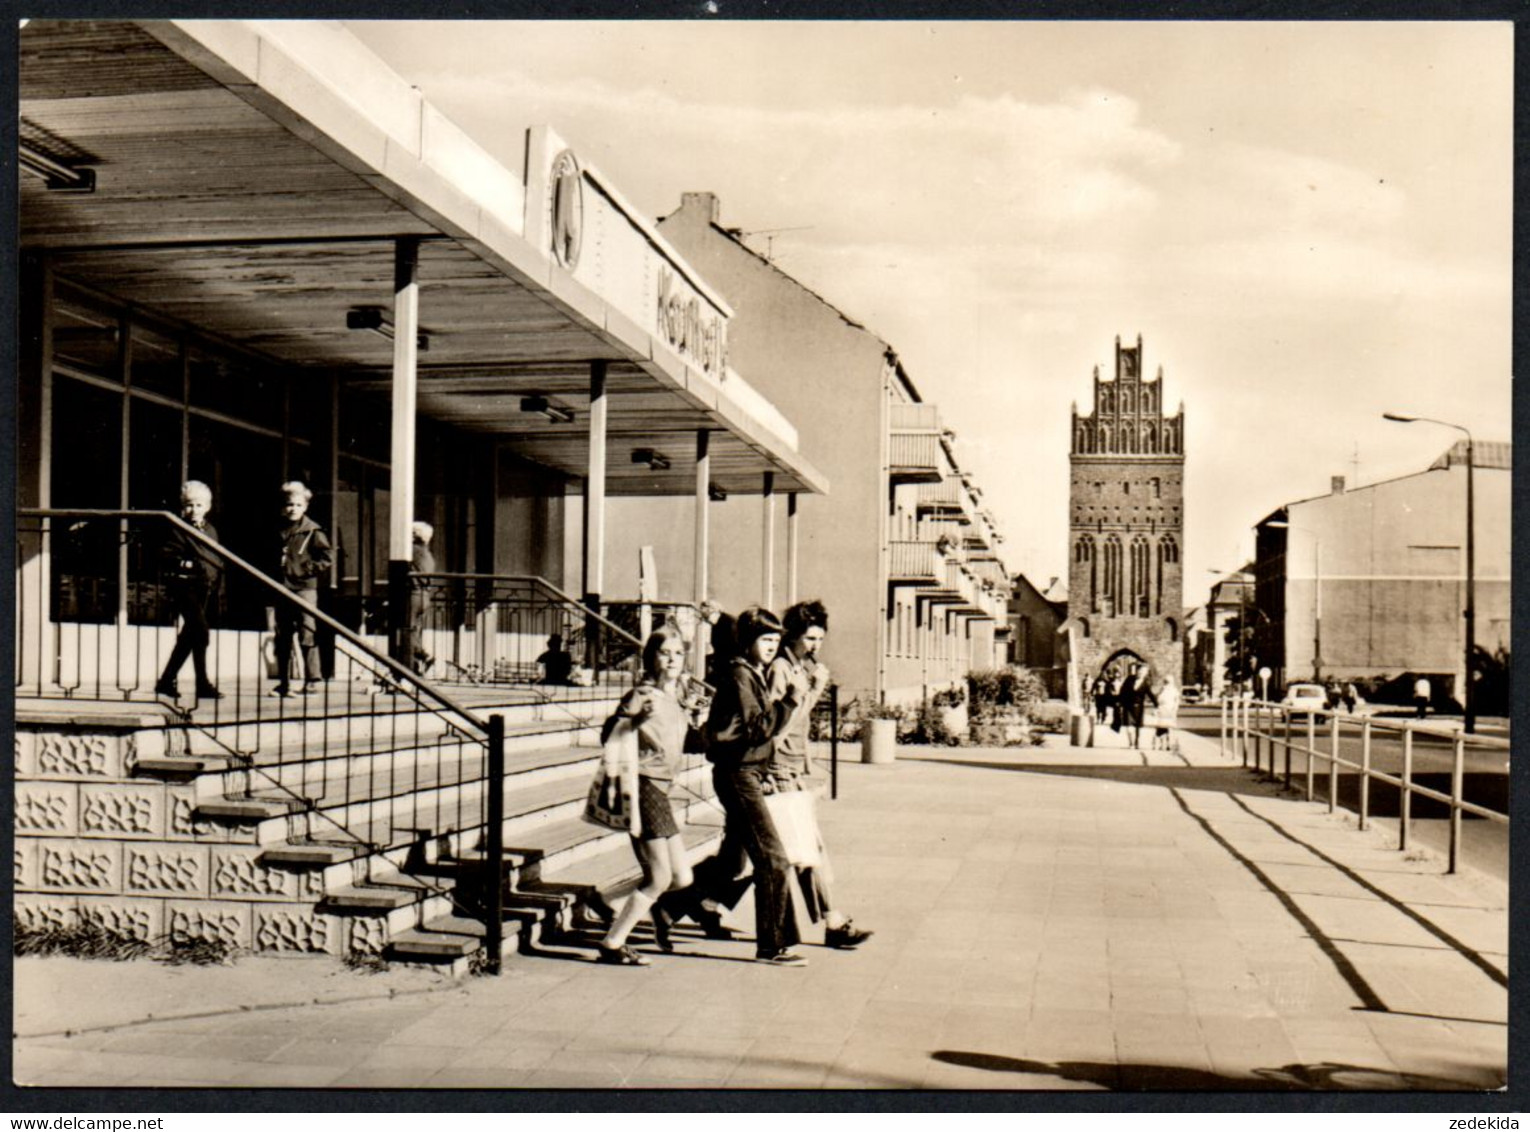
x=770, y=236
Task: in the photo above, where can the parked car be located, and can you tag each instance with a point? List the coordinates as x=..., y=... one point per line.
x=1305, y=697
x=1193, y=694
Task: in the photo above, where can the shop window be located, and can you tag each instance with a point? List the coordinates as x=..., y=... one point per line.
x=365, y=425
x=86, y=473
x=85, y=337
x=243, y=468
x=154, y=364
x=237, y=389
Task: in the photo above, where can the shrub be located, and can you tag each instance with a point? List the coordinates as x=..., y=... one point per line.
x=1050, y=716
x=949, y=698
x=928, y=727
x=992, y=688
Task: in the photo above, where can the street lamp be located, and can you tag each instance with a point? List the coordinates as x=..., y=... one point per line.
x=1317, y=593
x=1468, y=699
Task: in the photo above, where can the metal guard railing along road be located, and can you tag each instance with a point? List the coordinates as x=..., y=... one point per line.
x=1245, y=723
x=374, y=756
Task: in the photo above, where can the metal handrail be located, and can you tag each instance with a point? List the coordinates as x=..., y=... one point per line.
x=451, y=792
x=397, y=671
x=1240, y=722
x=541, y=582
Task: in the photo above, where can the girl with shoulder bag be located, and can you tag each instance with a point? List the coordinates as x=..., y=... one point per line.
x=654, y=710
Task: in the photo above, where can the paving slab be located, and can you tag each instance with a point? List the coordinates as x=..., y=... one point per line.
x=1053, y=918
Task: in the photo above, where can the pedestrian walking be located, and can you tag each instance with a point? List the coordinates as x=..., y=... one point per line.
x=1166, y=715
x=1422, y=692
x=743, y=721
x=305, y=558
x=655, y=710
x=1117, y=708
x=797, y=669
x=1100, y=695
x=193, y=571
x=422, y=563
x=1133, y=698
x=1351, y=697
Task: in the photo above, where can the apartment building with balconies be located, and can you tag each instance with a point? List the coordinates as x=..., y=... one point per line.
x=902, y=550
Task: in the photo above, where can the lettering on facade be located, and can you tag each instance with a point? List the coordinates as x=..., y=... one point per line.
x=691, y=329
x=566, y=186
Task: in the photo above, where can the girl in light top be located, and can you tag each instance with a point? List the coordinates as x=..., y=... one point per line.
x=655, y=709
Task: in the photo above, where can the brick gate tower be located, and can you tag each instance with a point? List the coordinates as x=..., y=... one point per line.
x=1126, y=523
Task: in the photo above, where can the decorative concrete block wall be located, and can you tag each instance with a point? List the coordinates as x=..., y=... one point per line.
x=97, y=845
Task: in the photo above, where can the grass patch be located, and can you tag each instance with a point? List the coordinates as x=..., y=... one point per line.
x=93, y=941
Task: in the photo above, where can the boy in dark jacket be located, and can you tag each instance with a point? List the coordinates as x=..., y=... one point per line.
x=193, y=571
x=306, y=557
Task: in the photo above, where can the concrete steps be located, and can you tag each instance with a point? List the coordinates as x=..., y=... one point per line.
x=360, y=833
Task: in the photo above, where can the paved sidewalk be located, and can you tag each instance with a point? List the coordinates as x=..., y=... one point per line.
x=1056, y=918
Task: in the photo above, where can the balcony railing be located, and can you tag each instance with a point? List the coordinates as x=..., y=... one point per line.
x=917, y=417
x=948, y=498
x=915, y=458
x=914, y=563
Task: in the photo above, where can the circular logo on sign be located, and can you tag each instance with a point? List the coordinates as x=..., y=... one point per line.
x=566, y=183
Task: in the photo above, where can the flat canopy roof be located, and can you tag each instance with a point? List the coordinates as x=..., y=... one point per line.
x=242, y=192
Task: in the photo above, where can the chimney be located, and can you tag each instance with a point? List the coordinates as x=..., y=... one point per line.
x=1336, y=485
x=707, y=202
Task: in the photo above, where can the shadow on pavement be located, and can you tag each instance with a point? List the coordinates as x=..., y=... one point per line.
x=1178, y=1078
x=1224, y=780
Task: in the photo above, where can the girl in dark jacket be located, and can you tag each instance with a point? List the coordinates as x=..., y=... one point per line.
x=742, y=723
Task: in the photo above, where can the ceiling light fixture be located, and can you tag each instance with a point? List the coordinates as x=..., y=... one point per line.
x=56, y=176
x=558, y=414
x=655, y=460
x=376, y=320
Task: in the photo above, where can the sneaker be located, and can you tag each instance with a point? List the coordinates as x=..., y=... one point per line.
x=846, y=937
x=208, y=692
x=309, y=688
x=781, y=959
x=167, y=689
x=622, y=956
x=280, y=692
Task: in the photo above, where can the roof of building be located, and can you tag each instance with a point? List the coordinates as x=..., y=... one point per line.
x=1494, y=455
x=1485, y=454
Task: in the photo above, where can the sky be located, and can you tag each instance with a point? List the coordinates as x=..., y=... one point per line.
x=1309, y=224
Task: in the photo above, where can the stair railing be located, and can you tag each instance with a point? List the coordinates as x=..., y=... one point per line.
x=520, y=631
x=367, y=754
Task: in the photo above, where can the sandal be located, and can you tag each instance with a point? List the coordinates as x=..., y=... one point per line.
x=622, y=956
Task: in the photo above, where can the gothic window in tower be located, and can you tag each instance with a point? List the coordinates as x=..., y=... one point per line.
x=1126, y=400
x=1083, y=555
x=1111, y=582
x=1157, y=487
x=1141, y=576
x=1149, y=437
x=1168, y=555
x=1125, y=440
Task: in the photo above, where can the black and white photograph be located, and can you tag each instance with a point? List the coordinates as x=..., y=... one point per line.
x=956, y=557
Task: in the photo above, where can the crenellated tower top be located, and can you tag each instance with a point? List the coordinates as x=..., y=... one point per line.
x=1127, y=417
